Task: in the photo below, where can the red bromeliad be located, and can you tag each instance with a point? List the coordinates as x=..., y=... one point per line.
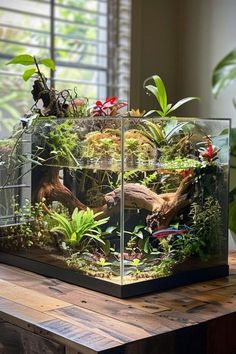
x=108, y=108
x=210, y=152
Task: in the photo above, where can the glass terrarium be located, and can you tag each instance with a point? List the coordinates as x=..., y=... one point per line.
x=120, y=205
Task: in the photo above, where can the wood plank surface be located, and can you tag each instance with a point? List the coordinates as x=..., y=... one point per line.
x=179, y=321
x=15, y=340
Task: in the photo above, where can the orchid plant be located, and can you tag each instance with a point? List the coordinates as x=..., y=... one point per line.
x=159, y=91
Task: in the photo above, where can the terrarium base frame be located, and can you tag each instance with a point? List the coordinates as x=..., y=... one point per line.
x=120, y=291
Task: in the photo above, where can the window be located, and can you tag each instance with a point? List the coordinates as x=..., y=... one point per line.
x=89, y=41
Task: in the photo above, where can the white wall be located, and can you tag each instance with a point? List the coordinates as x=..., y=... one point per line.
x=182, y=40
x=207, y=31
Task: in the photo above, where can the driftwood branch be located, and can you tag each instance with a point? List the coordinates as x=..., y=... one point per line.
x=163, y=207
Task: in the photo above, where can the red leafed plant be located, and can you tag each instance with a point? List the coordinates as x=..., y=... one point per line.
x=108, y=108
x=209, y=152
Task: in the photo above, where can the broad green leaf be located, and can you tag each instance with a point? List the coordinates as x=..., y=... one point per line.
x=138, y=227
x=139, y=234
x=28, y=73
x=161, y=92
x=48, y=62
x=181, y=102
x=23, y=59
x=224, y=73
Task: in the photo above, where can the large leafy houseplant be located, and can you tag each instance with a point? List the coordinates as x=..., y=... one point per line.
x=223, y=75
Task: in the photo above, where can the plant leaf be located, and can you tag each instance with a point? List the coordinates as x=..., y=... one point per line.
x=181, y=102
x=162, y=96
x=138, y=227
x=224, y=73
x=153, y=90
x=150, y=112
x=175, y=130
x=106, y=247
x=147, y=246
x=23, y=59
x=28, y=73
x=48, y=62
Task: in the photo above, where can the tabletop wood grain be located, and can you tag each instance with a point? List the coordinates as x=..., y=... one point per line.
x=196, y=319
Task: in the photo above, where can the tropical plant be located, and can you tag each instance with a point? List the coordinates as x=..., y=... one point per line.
x=206, y=227
x=139, y=239
x=163, y=132
x=224, y=74
x=29, y=60
x=159, y=91
x=30, y=230
x=208, y=152
x=83, y=226
x=108, y=108
x=63, y=141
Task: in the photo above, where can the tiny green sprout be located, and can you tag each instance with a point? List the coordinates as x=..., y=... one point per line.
x=159, y=91
x=136, y=262
x=102, y=262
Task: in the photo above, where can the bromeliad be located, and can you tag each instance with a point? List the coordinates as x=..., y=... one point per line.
x=210, y=151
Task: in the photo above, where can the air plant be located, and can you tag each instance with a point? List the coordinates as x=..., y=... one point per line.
x=159, y=91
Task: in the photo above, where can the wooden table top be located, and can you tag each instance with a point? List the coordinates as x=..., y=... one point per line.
x=90, y=322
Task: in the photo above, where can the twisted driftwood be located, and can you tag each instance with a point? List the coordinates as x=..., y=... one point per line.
x=163, y=207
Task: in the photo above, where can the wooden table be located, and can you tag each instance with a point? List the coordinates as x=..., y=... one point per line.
x=40, y=315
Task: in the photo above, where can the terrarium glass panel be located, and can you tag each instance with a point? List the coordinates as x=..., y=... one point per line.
x=15, y=175
x=120, y=205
